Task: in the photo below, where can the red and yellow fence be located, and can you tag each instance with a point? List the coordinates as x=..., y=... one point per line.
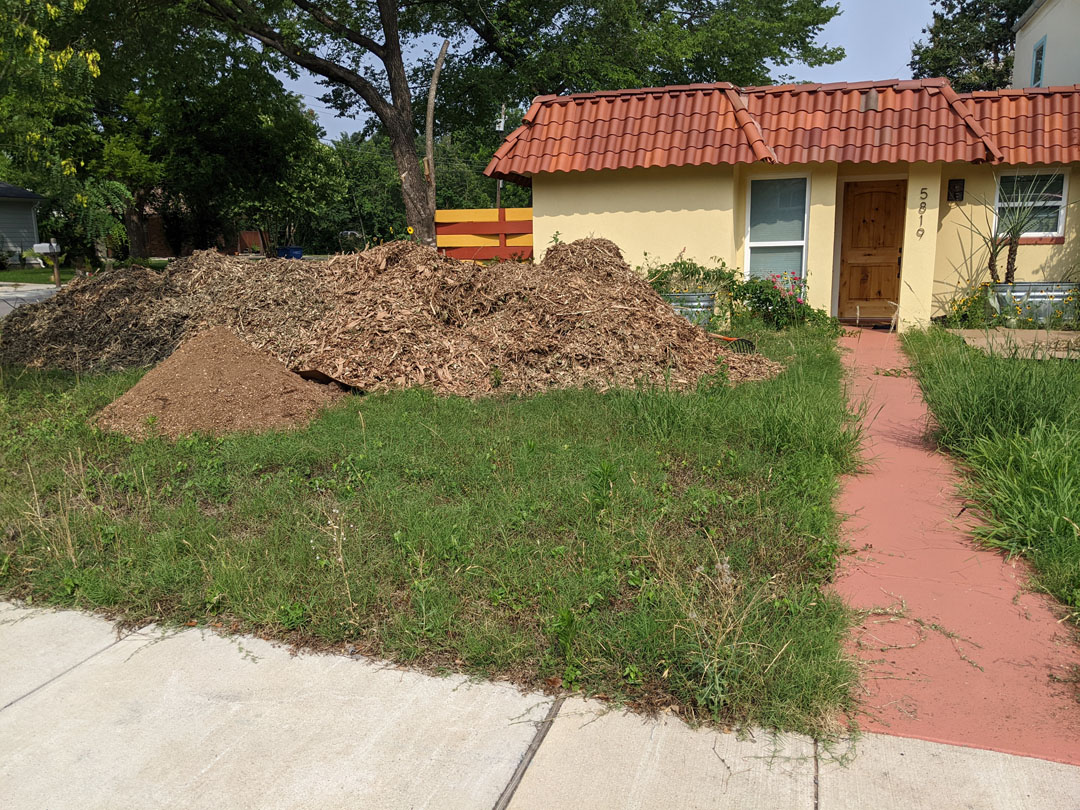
x=478, y=234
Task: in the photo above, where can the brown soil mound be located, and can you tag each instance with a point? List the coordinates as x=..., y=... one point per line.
x=401, y=315
x=112, y=320
x=215, y=383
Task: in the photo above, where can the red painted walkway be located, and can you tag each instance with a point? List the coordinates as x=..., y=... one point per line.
x=956, y=651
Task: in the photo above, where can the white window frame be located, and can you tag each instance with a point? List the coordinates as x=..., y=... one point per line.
x=1035, y=173
x=1042, y=68
x=806, y=221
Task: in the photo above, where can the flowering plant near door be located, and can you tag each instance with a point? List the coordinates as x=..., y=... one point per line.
x=779, y=300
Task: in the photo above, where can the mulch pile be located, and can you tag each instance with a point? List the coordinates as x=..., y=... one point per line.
x=215, y=383
x=395, y=316
x=108, y=321
x=405, y=315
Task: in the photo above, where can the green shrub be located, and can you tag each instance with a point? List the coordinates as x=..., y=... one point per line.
x=971, y=311
x=684, y=275
x=780, y=302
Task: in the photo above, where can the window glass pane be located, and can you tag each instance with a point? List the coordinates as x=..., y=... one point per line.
x=1037, y=64
x=777, y=210
x=1024, y=187
x=1042, y=219
x=768, y=261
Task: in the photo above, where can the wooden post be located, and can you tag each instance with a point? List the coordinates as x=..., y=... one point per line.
x=429, y=131
x=56, y=269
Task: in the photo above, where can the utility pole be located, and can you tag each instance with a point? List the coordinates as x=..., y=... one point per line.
x=500, y=126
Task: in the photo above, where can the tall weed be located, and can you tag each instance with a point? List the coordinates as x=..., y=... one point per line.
x=1015, y=421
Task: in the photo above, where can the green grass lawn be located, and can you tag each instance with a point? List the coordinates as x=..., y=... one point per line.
x=43, y=275
x=1015, y=423
x=647, y=546
x=35, y=275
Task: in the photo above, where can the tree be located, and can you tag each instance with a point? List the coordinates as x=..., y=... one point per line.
x=507, y=50
x=970, y=42
x=47, y=132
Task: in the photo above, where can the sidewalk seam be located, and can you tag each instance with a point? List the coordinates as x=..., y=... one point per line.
x=59, y=675
x=817, y=773
x=541, y=732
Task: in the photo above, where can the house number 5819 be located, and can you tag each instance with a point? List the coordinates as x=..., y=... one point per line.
x=924, y=192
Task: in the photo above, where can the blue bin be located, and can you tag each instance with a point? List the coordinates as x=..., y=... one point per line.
x=290, y=252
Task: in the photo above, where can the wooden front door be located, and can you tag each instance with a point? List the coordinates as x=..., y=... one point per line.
x=870, y=247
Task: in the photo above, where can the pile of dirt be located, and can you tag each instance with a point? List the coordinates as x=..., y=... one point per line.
x=392, y=317
x=215, y=383
x=113, y=320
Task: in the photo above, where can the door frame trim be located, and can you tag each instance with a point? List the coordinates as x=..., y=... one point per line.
x=838, y=240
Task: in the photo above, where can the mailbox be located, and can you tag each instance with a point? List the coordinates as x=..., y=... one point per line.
x=47, y=247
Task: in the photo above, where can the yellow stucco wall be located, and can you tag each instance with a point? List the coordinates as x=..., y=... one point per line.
x=1059, y=22
x=921, y=222
x=700, y=212
x=961, y=258
x=659, y=212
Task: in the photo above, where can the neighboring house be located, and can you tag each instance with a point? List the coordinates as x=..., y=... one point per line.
x=18, y=219
x=1046, y=54
x=862, y=189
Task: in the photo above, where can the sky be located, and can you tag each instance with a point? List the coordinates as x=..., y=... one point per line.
x=877, y=35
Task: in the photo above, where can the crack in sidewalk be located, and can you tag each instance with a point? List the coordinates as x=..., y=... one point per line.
x=542, y=729
x=59, y=675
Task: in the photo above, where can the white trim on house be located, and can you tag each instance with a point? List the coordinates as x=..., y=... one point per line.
x=1022, y=171
x=806, y=221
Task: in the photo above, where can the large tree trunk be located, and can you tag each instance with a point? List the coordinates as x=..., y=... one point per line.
x=395, y=112
x=135, y=226
x=415, y=191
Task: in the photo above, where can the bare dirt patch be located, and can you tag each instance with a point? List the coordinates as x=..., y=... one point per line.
x=215, y=383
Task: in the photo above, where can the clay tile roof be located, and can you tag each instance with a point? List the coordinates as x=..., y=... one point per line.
x=890, y=121
x=1034, y=125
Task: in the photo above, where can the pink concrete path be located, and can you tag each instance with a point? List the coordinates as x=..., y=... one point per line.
x=954, y=650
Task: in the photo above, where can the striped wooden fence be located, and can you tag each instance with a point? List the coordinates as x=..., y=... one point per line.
x=479, y=234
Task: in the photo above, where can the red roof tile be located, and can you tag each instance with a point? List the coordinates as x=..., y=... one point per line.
x=889, y=121
x=1033, y=125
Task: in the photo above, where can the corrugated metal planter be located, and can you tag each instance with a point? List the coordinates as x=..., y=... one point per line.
x=1039, y=302
x=696, y=307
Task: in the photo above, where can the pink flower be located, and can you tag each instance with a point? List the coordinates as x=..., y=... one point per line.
x=799, y=300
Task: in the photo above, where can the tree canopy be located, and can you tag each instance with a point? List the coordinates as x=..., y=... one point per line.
x=177, y=108
x=969, y=42
x=376, y=55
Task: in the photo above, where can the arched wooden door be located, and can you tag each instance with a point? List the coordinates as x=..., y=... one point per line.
x=870, y=249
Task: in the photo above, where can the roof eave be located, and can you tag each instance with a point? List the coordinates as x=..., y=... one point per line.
x=1032, y=10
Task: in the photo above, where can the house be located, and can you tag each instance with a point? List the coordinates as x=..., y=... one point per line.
x=1045, y=53
x=18, y=219
x=867, y=190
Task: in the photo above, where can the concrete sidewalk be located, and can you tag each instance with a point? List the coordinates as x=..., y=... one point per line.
x=191, y=719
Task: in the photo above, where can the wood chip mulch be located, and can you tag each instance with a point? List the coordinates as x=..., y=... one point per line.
x=395, y=316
